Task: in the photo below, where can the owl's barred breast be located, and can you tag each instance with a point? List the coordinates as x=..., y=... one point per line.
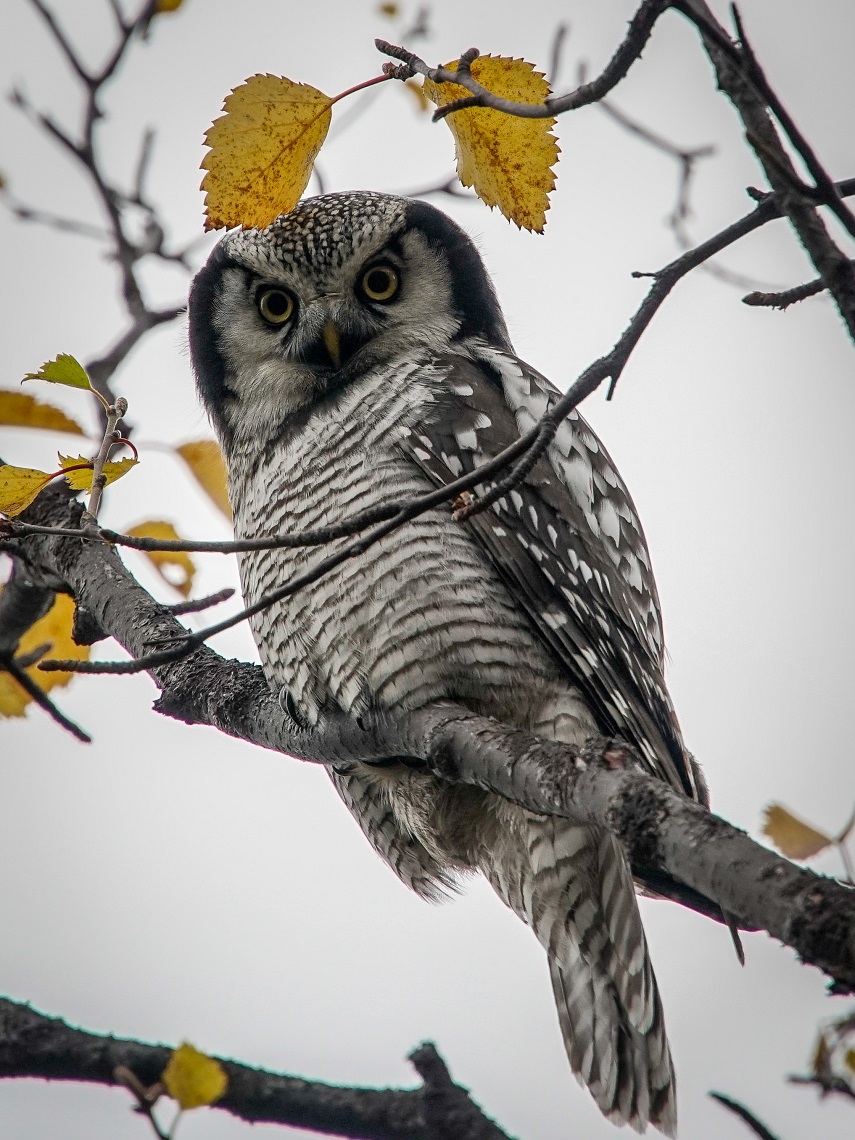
x=416, y=618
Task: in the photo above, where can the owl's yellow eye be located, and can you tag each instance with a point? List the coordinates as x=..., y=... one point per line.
x=380, y=283
x=275, y=306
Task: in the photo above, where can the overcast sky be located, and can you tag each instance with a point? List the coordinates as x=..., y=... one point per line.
x=166, y=882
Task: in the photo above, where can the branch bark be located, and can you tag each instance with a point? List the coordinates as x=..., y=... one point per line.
x=662, y=831
x=33, y=1045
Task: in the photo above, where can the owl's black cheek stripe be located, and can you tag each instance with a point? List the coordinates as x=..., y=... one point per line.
x=472, y=291
x=208, y=363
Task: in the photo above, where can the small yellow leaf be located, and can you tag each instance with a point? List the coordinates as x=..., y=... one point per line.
x=21, y=410
x=506, y=159
x=54, y=629
x=81, y=479
x=64, y=370
x=389, y=10
x=194, y=1079
x=262, y=151
x=205, y=460
x=793, y=837
x=19, y=486
x=167, y=5
x=179, y=560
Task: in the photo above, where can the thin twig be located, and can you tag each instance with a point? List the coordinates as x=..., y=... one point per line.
x=110, y=439
x=756, y=1126
x=626, y=55
x=40, y=697
x=196, y=605
x=786, y=297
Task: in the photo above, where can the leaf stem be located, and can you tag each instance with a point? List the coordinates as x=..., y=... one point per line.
x=360, y=87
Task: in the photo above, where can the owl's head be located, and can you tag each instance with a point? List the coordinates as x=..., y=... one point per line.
x=281, y=317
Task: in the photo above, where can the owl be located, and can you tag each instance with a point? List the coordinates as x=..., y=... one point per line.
x=354, y=354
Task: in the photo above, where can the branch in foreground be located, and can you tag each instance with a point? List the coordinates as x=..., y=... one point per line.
x=523, y=453
x=664, y=833
x=33, y=1045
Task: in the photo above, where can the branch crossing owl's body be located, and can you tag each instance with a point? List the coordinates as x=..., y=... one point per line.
x=354, y=354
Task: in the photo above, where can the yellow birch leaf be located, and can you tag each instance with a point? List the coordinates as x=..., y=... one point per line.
x=54, y=629
x=63, y=370
x=507, y=160
x=193, y=1078
x=179, y=560
x=793, y=837
x=81, y=480
x=262, y=151
x=205, y=460
x=19, y=486
x=21, y=410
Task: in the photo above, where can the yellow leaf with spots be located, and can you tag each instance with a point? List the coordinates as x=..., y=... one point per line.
x=63, y=370
x=19, y=486
x=507, y=160
x=20, y=410
x=205, y=460
x=262, y=151
x=54, y=632
x=792, y=836
x=175, y=567
x=81, y=479
x=193, y=1078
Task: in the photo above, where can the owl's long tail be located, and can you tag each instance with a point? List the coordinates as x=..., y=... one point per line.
x=573, y=886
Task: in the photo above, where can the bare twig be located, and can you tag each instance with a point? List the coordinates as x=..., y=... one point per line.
x=746, y=87
x=40, y=697
x=196, y=605
x=111, y=437
x=734, y=1106
x=785, y=297
x=626, y=55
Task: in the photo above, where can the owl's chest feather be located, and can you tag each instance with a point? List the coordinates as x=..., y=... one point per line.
x=418, y=616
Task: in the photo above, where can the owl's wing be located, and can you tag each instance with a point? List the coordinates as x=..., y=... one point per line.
x=568, y=544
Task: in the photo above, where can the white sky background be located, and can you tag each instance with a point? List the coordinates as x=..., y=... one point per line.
x=167, y=882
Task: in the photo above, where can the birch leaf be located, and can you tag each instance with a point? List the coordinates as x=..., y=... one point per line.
x=63, y=370
x=19, y=486
x=53, y=630
x=792, y=836
x=176, y=560
x=206, y=463
x=262, y=151
x=81, y=480
x=193, y=1078
x=507, y=160
x=20, y=410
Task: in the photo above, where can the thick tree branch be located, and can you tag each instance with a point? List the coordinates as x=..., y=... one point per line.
x=33, y=1045
x=662, y=831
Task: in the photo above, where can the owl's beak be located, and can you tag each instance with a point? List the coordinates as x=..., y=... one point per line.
x=332, y=343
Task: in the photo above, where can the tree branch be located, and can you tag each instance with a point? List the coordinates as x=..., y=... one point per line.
x=33, y=1045
x=662, y=830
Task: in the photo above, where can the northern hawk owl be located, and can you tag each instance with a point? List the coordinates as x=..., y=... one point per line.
x=354, y=353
